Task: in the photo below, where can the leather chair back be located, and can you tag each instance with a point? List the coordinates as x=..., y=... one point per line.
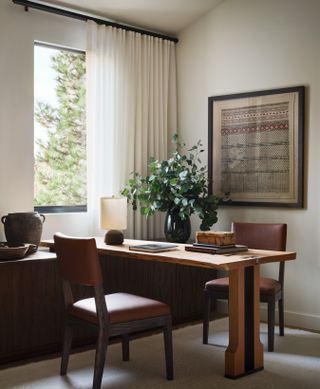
x=264, y=236
x=78, y=262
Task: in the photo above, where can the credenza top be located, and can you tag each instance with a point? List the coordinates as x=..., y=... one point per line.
x=40, y=255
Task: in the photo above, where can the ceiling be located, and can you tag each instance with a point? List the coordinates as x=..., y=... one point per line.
x=166, y=16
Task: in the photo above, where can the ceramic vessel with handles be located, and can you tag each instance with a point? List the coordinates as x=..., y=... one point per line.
x=23, y=227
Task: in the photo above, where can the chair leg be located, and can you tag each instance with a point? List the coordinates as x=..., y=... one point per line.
x=167, y=336
x=281, y=317
x=67, y=341
x=100, y=358
x=125, y=347
x=206, y=317
x=271, y=314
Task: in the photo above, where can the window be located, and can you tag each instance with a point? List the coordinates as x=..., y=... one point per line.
x=59, y=130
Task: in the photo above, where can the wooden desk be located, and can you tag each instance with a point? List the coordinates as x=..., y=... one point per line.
x=244, y=354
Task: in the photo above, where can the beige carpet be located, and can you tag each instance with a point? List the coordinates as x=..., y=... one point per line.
x=294, y=365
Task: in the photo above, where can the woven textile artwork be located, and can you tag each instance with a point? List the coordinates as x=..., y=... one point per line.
x=255, y=155
x=256, y=147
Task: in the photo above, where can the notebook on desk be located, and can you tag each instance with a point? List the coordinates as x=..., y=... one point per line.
x=154, y=247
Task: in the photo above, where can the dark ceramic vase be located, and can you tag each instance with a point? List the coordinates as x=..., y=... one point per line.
x=175, y=229
x=23, y=227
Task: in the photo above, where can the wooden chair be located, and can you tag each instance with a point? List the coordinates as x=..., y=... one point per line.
x=112, y=315
x=259, y=236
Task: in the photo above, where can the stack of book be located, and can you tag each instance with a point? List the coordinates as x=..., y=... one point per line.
x=216, y=242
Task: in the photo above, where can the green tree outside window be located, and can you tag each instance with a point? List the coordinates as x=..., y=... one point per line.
x=60, y=159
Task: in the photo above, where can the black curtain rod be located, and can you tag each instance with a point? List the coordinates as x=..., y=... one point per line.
x=84, y=17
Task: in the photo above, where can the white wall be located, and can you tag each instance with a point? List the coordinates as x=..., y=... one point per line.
x=18, y=31
x=250, y=45
x=242, y=45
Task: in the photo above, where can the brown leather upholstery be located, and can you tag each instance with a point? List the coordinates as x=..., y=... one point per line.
x=122, y=307
x=78, y=261
x=117, y=314
x=268, y=286
x=265, y=236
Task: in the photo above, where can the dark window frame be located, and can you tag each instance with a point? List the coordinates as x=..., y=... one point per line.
x=60, y=208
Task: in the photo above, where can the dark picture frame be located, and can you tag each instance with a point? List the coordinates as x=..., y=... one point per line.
x=256, y=148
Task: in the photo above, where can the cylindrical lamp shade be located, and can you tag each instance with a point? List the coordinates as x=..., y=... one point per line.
x=113, y=213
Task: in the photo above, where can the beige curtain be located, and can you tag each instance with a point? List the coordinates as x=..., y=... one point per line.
x=131, y=114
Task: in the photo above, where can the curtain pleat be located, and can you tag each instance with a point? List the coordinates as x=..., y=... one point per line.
x=131, y=114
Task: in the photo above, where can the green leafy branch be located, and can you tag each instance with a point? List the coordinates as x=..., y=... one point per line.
x=179, y=183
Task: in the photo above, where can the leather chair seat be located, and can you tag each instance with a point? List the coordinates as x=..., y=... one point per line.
x=268, y=286
x=122, y=307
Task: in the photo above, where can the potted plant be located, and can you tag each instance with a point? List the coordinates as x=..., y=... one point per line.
x=178, y=186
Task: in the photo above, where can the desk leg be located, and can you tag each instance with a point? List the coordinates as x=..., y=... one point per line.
x=244, y=354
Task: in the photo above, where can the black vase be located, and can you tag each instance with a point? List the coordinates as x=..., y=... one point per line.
x=175, y=229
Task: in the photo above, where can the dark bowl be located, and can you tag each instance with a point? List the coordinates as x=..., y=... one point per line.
x=14, y=252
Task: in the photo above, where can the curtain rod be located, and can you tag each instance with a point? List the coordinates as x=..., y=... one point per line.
x=84, y=17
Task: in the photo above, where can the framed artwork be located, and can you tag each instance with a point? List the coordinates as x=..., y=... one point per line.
x=256, y=148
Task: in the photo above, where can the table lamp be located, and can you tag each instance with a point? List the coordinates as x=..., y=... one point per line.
x=113, y=217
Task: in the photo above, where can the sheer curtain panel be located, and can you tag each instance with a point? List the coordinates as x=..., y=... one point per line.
x=131, y=114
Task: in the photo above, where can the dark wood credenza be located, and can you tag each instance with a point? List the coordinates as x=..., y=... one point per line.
x=32, y=307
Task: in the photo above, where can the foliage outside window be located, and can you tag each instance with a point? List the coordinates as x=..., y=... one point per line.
x=60, y=131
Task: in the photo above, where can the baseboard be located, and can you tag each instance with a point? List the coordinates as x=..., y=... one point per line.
x=292, y=319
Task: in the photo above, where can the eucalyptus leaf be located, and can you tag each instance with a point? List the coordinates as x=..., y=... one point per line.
x=175, y=183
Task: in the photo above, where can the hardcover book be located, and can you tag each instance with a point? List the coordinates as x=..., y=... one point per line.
x=216, y=250
x=214, y=246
